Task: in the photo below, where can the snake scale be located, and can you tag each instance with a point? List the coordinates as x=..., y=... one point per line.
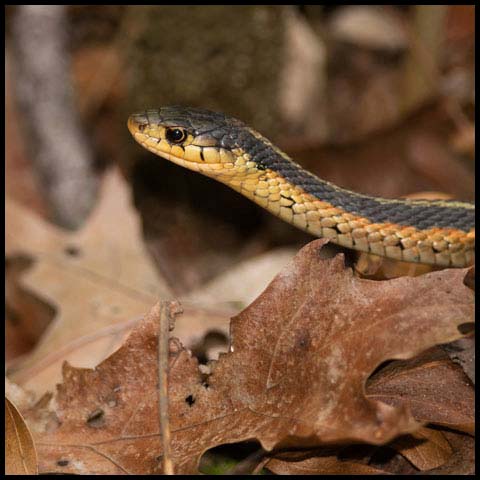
x=436, y=232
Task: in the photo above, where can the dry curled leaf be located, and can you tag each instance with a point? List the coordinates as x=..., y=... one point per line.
x=426, y=448
x=294, y=376
x=99, y=277
x=292, y=463
x=20, y=455
x=462, y=460
x=434, y=387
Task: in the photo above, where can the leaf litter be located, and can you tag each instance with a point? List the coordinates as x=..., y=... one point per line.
x=294, y=375
x=97, y=278
x=96, y=284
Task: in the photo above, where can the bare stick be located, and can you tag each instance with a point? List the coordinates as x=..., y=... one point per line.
x=168, y=310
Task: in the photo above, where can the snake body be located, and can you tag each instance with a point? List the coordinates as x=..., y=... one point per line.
x=436, y=232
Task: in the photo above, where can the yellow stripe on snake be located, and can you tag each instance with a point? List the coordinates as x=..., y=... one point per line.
x=436, y=232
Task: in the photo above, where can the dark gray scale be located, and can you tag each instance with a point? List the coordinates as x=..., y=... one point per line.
x=197, y=120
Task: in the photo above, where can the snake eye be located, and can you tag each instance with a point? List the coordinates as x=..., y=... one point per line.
x=175, y=135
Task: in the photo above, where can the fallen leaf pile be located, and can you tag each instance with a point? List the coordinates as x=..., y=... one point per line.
x=328, y=372
x=98, y=283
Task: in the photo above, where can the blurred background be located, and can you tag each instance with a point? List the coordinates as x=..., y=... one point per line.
x=378, y=99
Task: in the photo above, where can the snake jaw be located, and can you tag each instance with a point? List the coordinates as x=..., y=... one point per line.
x=155, y=144
x=201, y=153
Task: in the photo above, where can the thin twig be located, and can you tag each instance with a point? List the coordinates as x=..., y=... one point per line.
x=168, y=310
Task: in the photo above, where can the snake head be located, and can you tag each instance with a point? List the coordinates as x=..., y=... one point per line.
x=208, y=142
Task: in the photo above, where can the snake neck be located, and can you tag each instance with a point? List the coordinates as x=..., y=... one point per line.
x=278, y=170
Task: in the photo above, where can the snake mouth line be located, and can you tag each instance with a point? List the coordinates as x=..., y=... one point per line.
x=205, y=168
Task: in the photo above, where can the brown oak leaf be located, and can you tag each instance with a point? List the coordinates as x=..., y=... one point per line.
x=426, y=448
x=295, y=374
x=435, y=388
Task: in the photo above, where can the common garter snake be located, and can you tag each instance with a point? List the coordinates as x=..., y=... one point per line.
x=437, y=232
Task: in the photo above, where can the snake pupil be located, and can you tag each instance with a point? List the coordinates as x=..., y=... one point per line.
x=175, y=135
